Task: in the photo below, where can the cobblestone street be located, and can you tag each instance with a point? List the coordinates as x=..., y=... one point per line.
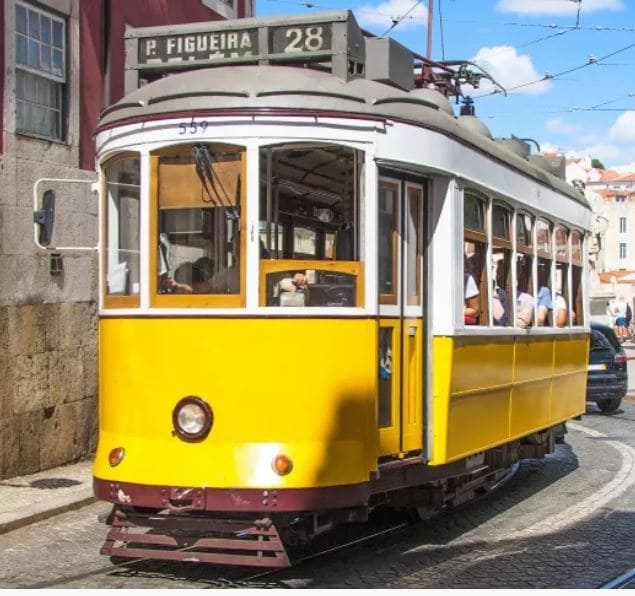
x=563, y=522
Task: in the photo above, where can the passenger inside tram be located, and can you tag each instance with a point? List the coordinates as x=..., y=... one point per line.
x=525, y=300
x=500, y=302
x=545, y=303
x=472, y=306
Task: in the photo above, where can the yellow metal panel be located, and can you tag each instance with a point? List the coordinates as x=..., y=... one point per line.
x=442, y=361
x=305, y=388
x=412, y=385
x=477, y=421
x=569, y=386
x=482, y=362
x=530, y=408
x=389, y=435
x=534, y=358
x=488, y=391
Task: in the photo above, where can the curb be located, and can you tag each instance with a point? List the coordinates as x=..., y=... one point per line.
x=45, y=510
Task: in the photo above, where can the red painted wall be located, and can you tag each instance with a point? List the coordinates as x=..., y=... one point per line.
x=2, y=66
x=102, y=27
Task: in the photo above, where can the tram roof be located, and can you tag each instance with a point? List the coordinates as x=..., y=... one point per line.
x=286, y=89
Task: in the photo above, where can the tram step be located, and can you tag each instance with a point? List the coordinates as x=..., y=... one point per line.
x=196, y=539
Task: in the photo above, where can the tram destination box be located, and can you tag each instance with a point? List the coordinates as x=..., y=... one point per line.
x=330, y=38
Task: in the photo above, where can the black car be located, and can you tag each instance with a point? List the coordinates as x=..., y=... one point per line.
x=607, y=379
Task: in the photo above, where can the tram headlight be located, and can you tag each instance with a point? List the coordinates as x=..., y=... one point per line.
x=192, y=418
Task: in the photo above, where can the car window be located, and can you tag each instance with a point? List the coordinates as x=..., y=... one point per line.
x=609, y=334
x=599, y=341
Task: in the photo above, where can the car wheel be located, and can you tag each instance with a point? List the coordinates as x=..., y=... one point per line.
x=609, y=405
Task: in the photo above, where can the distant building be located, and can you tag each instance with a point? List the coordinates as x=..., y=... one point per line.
x=612, y=196
x=62, y=64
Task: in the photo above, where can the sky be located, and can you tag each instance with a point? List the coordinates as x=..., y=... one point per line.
x=568, y=65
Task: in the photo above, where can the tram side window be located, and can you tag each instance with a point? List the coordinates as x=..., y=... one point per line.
x=199, y=220
x=122, y=182
x=577, y=289
x=525, y=298
x=501, y=264
x=561, y=298
x=544, y=297
x=309, y=225
x=475, y=293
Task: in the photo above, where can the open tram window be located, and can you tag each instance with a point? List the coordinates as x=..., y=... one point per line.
x=475, y=293
x=577, y=288
x=544, y=297
x=502, y=250
x=525, y=299
x=199, y=209
x=562, y=298
x=309, y=225
x=122, y=183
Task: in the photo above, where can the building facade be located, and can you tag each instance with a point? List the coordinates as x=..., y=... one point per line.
x=63, y=63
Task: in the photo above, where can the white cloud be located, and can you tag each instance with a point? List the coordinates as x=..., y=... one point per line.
x=510, y=69
x=623, y=130
x=548, y=147
x=557, y=7
x=559, y=125
x=605, y=152
x=383, y=15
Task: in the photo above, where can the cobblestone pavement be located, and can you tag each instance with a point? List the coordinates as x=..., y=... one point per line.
x=567, y=521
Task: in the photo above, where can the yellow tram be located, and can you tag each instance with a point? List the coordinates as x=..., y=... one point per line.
x=320, y=290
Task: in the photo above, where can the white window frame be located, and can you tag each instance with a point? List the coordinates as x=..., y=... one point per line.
x=623, y=225
x=59, y=80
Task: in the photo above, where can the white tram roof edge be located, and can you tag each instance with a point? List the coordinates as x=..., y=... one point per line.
x=256, y=88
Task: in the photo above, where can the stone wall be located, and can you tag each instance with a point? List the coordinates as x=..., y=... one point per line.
x=48, y=387
x=48, y=322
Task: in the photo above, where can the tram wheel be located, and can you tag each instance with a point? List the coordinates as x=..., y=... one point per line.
x=609, y=405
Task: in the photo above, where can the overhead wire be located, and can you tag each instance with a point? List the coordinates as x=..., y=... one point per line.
x=548, y=76
x=402, y=17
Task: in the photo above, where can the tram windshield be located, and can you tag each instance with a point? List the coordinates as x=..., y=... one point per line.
x=199, y=214
x=309, y=225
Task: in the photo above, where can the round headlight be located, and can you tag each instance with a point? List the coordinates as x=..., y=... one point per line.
x=192, y=418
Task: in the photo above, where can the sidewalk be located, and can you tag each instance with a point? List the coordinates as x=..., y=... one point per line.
x=27, y=499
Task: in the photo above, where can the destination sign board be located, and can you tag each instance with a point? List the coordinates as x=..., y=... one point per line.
x=330, y=39
x=190, y=47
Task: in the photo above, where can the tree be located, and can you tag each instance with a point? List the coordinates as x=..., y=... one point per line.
x=596, y=163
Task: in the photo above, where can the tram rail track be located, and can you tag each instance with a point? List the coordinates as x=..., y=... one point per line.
x=247, y=581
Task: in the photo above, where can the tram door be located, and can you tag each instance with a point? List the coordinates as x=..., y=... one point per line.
x=401, y=290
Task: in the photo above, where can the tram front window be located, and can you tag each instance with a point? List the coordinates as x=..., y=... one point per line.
x=122, y=181
x=309, y=222
x=199, y=219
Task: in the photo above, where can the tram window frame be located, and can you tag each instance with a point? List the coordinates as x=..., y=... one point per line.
x=395, y=187
x=524, y=251
x=544, y=278
x=327, y=207
x=501, y=268
x=577, y=279
x=115, y=300
x=191, y=299
x=561, y=273
x=478, y=237
x=413, y=253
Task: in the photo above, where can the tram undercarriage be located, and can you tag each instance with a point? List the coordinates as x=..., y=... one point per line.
x=187, y=531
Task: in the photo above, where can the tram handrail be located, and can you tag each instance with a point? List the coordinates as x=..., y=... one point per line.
x=94, y=189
